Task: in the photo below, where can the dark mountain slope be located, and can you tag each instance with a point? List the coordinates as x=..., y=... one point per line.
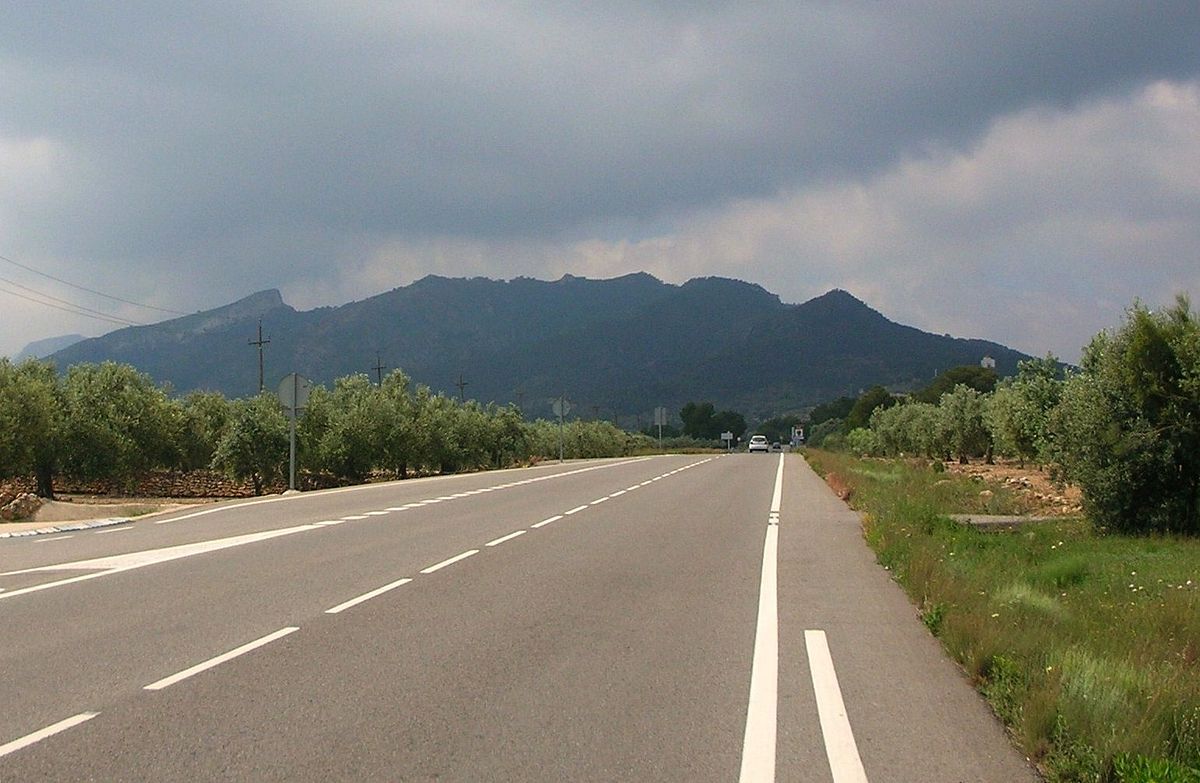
x=619, y=346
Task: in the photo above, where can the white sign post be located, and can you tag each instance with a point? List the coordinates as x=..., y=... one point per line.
x=561, y=409
x=728, y=438
x=293, y=393
x=660, y=418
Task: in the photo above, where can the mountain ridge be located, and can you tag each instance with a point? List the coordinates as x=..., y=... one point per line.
x=620, y=346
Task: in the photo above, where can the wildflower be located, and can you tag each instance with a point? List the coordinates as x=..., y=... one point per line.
x=995, y=614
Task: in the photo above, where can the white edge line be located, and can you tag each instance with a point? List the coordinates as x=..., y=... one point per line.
x=49, y=731
x=758, y=743
x=545, y=522
x=844, y=762
x=362, y=487
x=502, y=539
x=449, y=561
x=367, y=596
x=158, y=685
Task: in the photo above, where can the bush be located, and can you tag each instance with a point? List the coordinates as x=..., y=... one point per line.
x=1127, y=430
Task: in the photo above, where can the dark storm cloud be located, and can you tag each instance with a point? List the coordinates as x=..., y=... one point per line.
x=266, y=142
x=488, y=120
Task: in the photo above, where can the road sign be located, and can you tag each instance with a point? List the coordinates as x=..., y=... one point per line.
x=660, y=416
x=293, y=392
x=561, y=407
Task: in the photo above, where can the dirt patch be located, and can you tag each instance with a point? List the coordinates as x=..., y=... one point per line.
x=65, y=510
x=839, y=485
x=1041, y=494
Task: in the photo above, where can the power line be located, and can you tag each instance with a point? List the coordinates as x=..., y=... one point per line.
x=89, y=290
x=70, y=307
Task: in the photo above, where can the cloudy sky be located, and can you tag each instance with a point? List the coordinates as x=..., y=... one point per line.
x=1017, y=171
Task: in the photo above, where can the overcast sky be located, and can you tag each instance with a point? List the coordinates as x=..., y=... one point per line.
x=1016, y=171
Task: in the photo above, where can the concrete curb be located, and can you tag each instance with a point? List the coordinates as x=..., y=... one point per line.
x=67, y=527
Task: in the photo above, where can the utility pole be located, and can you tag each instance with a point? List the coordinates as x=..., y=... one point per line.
x=378, y=368
x=461, y=386
x=260, y=342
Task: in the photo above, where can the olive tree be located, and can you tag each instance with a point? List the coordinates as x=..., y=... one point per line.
x=255, y=444
x=118, y=423
x=1127, y=430
x=31, y=422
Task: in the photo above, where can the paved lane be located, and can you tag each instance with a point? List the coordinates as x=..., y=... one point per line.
x=578, y=622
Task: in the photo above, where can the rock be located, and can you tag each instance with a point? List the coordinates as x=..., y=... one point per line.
x=986, y=494
x=22, y=507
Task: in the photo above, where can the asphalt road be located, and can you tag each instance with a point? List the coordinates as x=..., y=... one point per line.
x=686, y=618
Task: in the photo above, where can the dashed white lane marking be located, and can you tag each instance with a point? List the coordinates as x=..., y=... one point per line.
x=367, y=596
x=330, y=522
x=112, y=530
x=52, y=538
x=598, y=501
x=191, y=671
x=377, y=513
x=618, y=493
x=758, y=743
x=502, y=539
x=645, y=483
x=631, y=489
x=49, y=731
x=840, y=748
x=545, y=522
x=449, y=561
x=354, y=517
x=575, y=510
x=397, y=508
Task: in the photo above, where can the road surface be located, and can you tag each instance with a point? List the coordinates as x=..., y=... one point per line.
x=675, y=618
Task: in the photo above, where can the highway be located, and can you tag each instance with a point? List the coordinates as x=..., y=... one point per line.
x=672, y=618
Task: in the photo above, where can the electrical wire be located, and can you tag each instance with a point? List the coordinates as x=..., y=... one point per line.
x=89, y=290
x=70, y=307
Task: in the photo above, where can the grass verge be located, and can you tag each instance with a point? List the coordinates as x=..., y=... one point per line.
x=1087, y=646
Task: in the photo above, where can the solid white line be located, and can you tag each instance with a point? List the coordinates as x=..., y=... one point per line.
x=113, y=530
x=758, y=744
x=367, y=596
x=502, y=539
x=55, y=538
x=840, y=748
x=450, y=561
x=211, y=662
x=597, y=501
x=545, y=522
x=575, y=510
x=49, y=731
x=777, y=497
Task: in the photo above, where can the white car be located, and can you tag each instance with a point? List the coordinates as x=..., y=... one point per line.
x=759, y=443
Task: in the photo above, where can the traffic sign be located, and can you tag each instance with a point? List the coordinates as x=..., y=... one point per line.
x=660, y=416
x=561, y=407
x=293, y=392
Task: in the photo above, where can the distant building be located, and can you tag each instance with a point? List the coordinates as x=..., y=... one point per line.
x=988, y=362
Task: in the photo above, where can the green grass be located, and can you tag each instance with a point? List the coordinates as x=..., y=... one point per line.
x=1087, y=646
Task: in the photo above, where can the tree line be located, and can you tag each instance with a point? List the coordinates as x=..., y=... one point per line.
x=111, y=422
x=1124, y=426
